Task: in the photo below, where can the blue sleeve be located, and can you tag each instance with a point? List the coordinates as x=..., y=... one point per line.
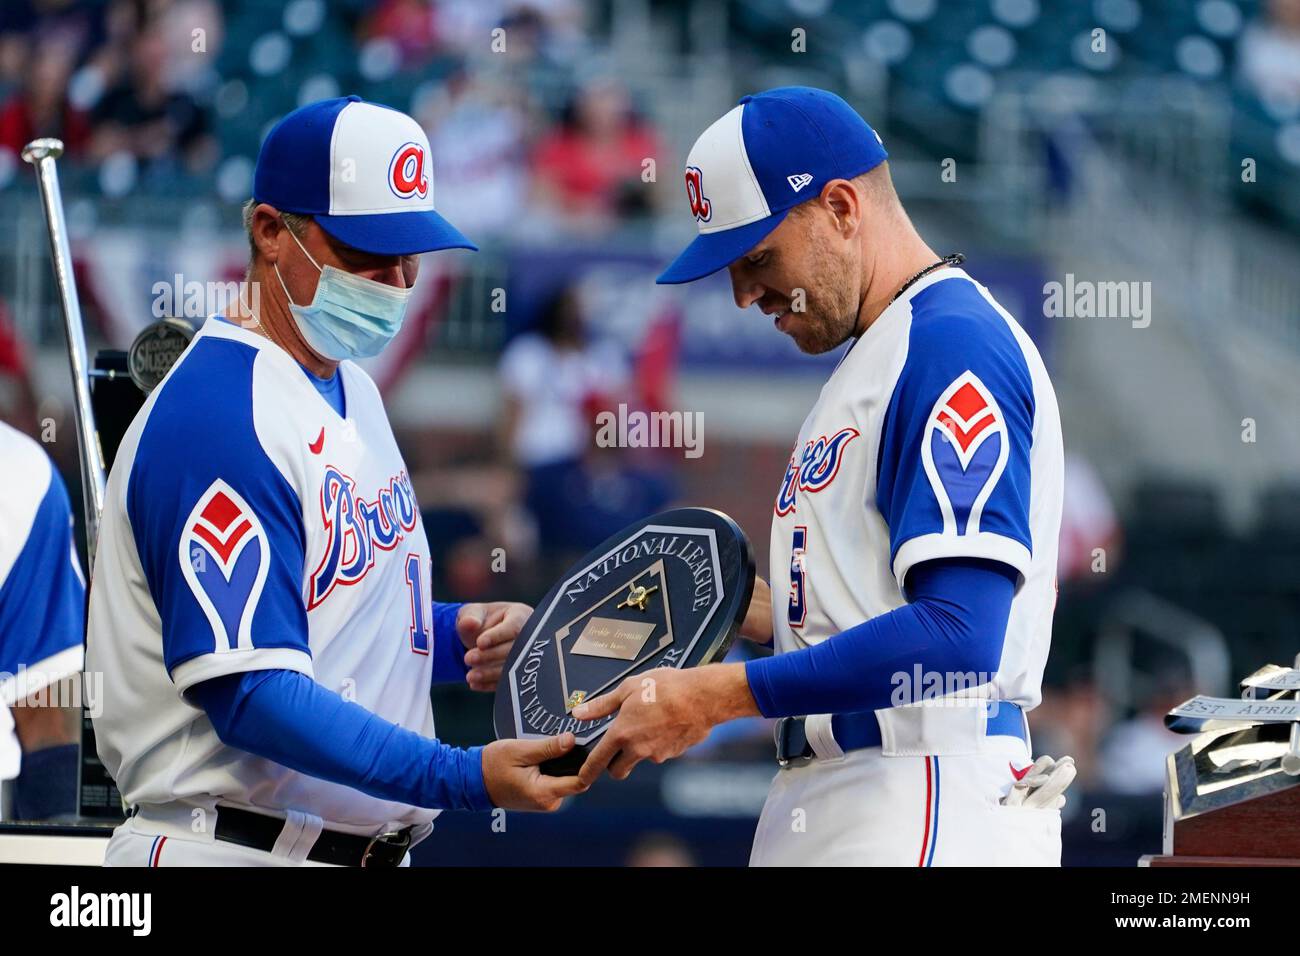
x=448, y=650
x=218, y=528
x=43, y=598
x=47, y=784
x=955, y=623
x=279, y=715
x=953, y=472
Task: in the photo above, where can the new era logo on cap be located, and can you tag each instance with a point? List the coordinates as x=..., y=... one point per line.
x=362, y=170
x=739, y=183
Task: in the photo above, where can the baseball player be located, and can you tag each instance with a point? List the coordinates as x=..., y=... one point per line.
x=42, y=626
x=260, y=607
x=914, y=530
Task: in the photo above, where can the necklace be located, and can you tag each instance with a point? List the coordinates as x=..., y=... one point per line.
x=955, y=259
x=257, y=328
x=257, y=322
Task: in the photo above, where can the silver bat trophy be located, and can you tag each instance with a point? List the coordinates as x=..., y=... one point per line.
x=42, y=154
x=152, y=354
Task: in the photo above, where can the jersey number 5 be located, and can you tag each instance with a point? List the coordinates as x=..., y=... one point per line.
x=797, y=612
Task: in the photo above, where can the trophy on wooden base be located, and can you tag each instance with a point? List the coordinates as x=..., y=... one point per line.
x=1233, y=794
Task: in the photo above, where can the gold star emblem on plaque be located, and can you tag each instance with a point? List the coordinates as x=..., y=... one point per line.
x=638, y=597
x=621, y=642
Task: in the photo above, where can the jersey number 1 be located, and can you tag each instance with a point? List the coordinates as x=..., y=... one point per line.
x=419, y=630
x=797, y=612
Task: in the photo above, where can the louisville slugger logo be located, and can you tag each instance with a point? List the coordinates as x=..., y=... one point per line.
x=814, y=469
x=964, y=450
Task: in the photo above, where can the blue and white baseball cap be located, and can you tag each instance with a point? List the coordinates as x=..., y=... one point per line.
x=750, y=168
x=362, y=171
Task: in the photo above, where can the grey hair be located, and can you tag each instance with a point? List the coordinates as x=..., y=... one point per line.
x=295, y=222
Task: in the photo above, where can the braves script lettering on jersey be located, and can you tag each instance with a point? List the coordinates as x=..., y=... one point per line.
x=249, y=526
x=937, y=436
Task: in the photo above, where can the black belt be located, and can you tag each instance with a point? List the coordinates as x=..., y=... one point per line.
x=257, y=831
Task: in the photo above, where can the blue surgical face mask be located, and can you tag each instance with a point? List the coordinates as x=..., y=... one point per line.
x=350, y=316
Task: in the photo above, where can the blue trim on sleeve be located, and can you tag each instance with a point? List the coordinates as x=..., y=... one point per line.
x=448, y=649
x=43, y=599
x=956, y=623
x=278, y=715
x=471, y=768
x=47, y=784
x=956, y=332
x=201, y=474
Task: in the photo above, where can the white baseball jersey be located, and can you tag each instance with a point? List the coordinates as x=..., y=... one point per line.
x=937, y=436
x=249, y=526
x=42, y=592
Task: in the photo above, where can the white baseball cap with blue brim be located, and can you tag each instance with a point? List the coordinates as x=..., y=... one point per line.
x=750, y=168
x=362, y=171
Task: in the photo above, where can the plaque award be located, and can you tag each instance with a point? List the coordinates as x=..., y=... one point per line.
x=670, y=590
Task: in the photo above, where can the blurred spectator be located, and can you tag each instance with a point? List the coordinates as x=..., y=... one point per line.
x=470, y=510
x=1070, y=722
x=588, y=171
x=18, y=402
x=536, y=32
x=1088, y=524
x=39, y=107
x=1134, y=751
x=193, y=31
x=1269, y=53
x=477, y=133
x=622, y=486
x=26, y=25
x=411, y=26
x=17, y=23
x=525, y=32
x=533, y=34
x=554, y=380
x=140, y=115
x=660, y=849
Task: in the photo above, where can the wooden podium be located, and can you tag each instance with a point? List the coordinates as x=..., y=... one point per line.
x=1228, y=800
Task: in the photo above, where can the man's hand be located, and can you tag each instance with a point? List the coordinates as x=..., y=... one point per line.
x=757, y=625
x=488, y=631
x=661, y=713
x=513, y=780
